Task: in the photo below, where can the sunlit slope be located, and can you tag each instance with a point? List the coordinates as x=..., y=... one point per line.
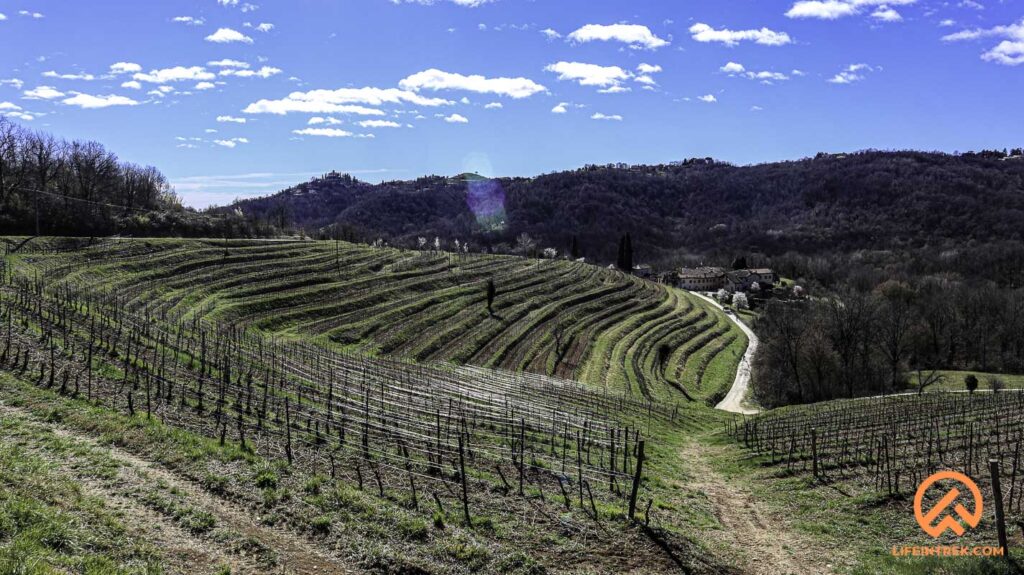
x=568, y=319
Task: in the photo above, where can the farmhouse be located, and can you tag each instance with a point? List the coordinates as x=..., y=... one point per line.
x=701, y=279
x=713, y=279
x=643, y=271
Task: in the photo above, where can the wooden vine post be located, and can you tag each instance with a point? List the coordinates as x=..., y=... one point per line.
x=997, y=494
x=636, y=479
x=462, y=477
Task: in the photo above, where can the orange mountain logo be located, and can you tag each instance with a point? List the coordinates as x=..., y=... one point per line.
x=950, y=521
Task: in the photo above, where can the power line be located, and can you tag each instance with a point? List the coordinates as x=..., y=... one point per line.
x=83, y=200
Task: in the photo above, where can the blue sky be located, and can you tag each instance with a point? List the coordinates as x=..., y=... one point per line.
x=232, y=99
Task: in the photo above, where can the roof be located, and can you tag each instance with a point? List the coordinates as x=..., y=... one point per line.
x=700, y=273
x=762, y=271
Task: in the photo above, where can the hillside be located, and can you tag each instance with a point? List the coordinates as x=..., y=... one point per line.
x=841, y=202
x=565, y=319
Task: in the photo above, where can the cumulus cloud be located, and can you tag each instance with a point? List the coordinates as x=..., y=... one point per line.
x=175, y=74
x=852, y=73
x=263, y=72
x=612, y=117
x=76, y=76
x=27, y=14
x=1009, y=52
x=709, y=98
x=704, y=33
x=329, y=133
x=466, y=3
x=561, y=108
x=379, y=124
x=589, y=74
x=739, y=70
x=88, y=101
x=317, y=120
x=342, y=101
x=648, y=69
x=835, y=9
x=228, y=63
x=887, y=14
x=42, y=93
x=634, y=35
x=550, y=34
x=16, y=83
x=228, y=35
x=205, y=86
x=494, y=106
x=231, y=119
x=125, y=68
x=435, y=80
x=231, y=143
x=457, y=119
x=189, y=20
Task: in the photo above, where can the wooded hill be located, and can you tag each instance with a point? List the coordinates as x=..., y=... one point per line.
x=839, y=202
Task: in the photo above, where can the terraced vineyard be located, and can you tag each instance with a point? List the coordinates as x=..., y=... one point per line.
x=248, y=370
x=566, y=319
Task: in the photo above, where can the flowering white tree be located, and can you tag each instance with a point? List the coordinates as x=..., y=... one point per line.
x=739, y=300
x=798, y=291
x=550, y=253
x=421, y=242
x=437, y=244
x=458, y=246
x=722, y=296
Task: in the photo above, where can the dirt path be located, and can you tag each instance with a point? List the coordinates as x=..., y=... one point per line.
x=761, y=541
x=238, y=540
x=733, y=401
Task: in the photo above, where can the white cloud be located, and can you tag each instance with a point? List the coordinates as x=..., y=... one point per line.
x=43, y=93
x=494, y=106
x=227, y=63
x=887, y=14
x=612, y=117
x=561, y=108
x=189, y=20
x=28, y=14
x=263, y=72
x=709, y=98
x=125, y=68
x=648, y=69
x=231, y=119
x=1009, y=52
x=589, y=74
x=835, y=9
x=131, y=85
x=2, y=16
x=175, y=74
x=6, y=106
x=16, y=83
x=615, y=90
x=379, y=124
x=635, y=35
x=550, y=34
x=342, y=101
x=88, y=101
x=77, y=76
x=317, y=120
x=324, y=132
x=947, y=23
x=264, y=26
x=466, y=3
x=852, y=73
x=739, y=70
x=205, y=86
x=457, y=119
x=227, y=35
x=434, y=79
x=233, y=142
x=703, y=33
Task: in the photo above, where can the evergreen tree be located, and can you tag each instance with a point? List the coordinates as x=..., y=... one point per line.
x=574, y=249
x=627, y=254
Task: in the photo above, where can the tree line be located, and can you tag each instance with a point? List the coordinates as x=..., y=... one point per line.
x=894, y=337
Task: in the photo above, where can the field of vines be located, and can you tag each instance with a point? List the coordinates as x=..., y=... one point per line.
x=563, y=319
x=241, y=342
x=888, y=446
